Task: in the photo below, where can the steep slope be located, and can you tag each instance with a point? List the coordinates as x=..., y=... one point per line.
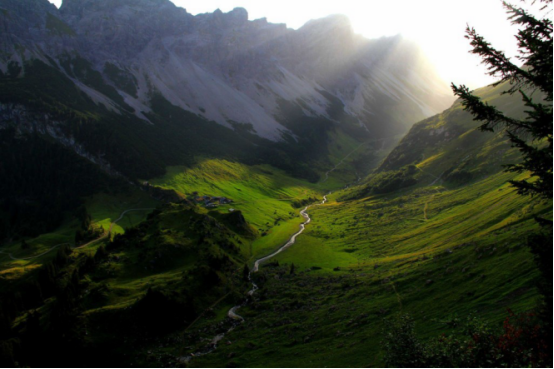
x=447, y=148
x=437, y=232
x=137, y=86
x=451, y=144
x=224, y=67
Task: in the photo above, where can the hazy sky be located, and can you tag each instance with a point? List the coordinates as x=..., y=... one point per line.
x=437, y=25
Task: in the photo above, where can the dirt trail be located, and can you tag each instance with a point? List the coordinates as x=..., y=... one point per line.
x=35, y=256
x=426, y=206
x=104, y=235
x=340, y=162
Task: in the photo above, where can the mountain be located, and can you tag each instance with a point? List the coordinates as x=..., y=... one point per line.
x=452, y=139
x=443, y=249
x=226, y=68
x=435, y=236
x=133, y=87
x=449, y=148
x=185, y=190
x=133, y=219
x=223, y=67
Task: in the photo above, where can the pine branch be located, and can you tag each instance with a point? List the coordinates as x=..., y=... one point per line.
x=482, y=111
x=498, y=64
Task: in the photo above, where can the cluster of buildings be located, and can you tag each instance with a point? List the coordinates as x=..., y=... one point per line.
x=209, y=201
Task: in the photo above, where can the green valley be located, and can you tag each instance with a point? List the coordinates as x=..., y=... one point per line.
x=439, y=247
x=206, y=190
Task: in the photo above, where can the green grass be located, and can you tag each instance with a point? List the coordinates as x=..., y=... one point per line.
x=312, y=251
x=385, y=228
x=103, y=208
x=38, y=245
x=264, y=195
x=158, y=252
x=470, y=249
x=437, y=251
x=451, y=140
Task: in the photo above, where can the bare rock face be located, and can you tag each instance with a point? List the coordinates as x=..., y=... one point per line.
x=227, y=68
x=120, y=30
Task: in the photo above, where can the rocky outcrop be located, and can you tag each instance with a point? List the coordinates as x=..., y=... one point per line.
x=24, y=121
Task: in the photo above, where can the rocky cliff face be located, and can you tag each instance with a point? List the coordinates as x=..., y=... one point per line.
x=27, y=121
x=225, y=67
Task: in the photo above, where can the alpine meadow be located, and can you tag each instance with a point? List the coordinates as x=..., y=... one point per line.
x=184, y=187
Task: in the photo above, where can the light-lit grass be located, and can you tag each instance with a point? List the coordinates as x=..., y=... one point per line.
x=105, y=208
x=380, y=229
x=315, y=252
x=263, y=194
x=468, y=258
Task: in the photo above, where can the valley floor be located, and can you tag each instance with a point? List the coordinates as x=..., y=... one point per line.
x=438, y=252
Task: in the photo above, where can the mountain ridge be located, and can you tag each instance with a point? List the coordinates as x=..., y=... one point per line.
x=224, y=67
x=136, y=87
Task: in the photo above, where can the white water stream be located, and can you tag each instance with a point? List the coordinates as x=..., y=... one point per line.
x=232, y=313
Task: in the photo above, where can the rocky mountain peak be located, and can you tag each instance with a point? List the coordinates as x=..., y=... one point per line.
x=331, y=23
x=226, y=68
x=68, y=5
x=219, y=20
x=238, y=15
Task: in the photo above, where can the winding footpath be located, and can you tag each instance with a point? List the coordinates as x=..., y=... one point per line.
x=104, y=235
x=340, y=162
x=426, y=206
x=35, y=256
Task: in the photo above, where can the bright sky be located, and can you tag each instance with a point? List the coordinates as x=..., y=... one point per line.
x=437, y=25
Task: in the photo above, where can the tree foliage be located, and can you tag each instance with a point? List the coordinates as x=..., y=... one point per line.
x=532, y=136
x=520, y=343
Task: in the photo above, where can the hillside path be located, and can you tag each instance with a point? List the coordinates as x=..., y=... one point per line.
x=340, y=162
x=104, y=235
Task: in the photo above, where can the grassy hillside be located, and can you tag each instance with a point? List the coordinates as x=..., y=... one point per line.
x=150, y=282
x=437, y=233
x=175, y=246
x=435, y=253
x=451, y=145
x=269, y=199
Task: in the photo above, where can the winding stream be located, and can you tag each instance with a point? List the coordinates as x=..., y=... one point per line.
x=232, y=313
x=292, y=240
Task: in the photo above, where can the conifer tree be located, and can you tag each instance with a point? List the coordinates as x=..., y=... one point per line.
x=245, y=272
x=100, y=254
x=532, y=136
